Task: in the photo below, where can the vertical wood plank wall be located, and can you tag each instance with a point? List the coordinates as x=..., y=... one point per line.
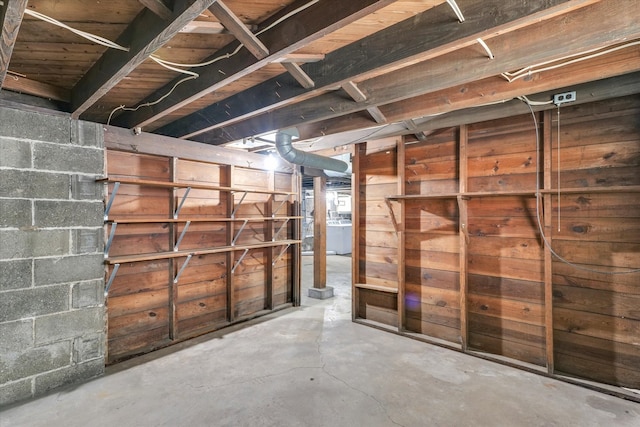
x=147, y=308
x=472, y=269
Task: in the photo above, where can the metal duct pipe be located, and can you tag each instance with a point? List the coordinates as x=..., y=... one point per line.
x=298, y=157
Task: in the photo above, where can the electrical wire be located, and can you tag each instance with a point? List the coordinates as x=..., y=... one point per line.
x=539, y=200
x=456, y=10
x=92, y=37
x=510, y=77
x=486, y=48
x=173, y=66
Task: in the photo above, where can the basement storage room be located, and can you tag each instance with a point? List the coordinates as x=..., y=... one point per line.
x=317, y=212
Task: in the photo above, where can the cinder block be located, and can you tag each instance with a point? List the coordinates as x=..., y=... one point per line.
x=61, y=213
x=88, y=294
x=33, y=184
x=86, y=188
x=68, y=158
x=15, y=213
x=34, y=126
x=15, y=153
x=16, y=336
x=23, y=303
x=68, y=269
x=15, y=392
x=87, y=241
x=15, y=274
x=87, y=134
x=70, y=375
x=87, y=348
x=15, y=366
x=69, y=324
x=33, y=243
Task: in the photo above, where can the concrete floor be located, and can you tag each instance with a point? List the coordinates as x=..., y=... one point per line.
x=312, y=366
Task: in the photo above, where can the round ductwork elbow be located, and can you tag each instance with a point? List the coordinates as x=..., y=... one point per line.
x=286, y=150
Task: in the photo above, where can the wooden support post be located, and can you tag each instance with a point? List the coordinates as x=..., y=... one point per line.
x=401, y=234
x=548, y=217
x=268, y=237
x=463, y=222
x=229, y=238
x=296, y=263
x=173, y=265
x=319, y=232
x=355, y=226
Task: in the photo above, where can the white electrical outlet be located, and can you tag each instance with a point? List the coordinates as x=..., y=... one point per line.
x=561, y=98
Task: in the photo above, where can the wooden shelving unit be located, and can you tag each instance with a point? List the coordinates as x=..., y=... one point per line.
x=246, y=236
x=470, y=253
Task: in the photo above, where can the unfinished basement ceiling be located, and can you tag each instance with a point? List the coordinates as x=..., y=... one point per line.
x=323, y=66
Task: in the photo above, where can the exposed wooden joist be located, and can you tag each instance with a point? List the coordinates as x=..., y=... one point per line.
x=354, y=91
x=301, y=58
x=10, y=17
x=32, y=87
x=158, y=7
x=143, y=36
x=486, y=91
x=411, y=125
x=236, y=27
x=123, y=140
x=609, y=24
x=377, y=115
x=312, y=22
x=426, y=35
x=208, y=27
x=299, y=74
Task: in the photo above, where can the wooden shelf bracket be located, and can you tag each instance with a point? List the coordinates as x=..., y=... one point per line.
x=244, y=254
x=186, y=261
x=237, y=206
x=277, y=233
x=112, y=234
x=184, y=198
x=387, y=202
x=116, y=267
x=235, y=239
x=273, y=215
x=107, y=208
x=281, y=253
x=184, y=231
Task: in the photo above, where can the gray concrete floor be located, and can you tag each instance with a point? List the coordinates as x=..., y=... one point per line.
x=312, y=366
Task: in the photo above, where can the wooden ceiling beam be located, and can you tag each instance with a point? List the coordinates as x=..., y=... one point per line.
x=158, y=7
x=358, y=96
x=253, y=44
x=11, y=18
x=43, y=90
x=143, y=36
x=426, y=35
x=411, y=125
x=608, y=21
x=311, y=24
x=377, y=115
x=301, y=58
x=299, y=74
x=486, y=91
x=236, y=27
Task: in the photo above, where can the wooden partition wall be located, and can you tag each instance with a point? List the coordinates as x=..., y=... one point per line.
x=450, y=245
x=193, y=246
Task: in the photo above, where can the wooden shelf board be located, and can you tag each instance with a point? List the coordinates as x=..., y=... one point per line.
x=531, y=193
x=193, y=185
x=376, y=288
x=182, y=220
x=183, y=253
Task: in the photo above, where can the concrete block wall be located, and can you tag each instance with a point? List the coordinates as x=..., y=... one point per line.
x=52, y=312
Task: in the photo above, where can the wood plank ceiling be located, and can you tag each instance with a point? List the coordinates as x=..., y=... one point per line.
x=324, y=66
